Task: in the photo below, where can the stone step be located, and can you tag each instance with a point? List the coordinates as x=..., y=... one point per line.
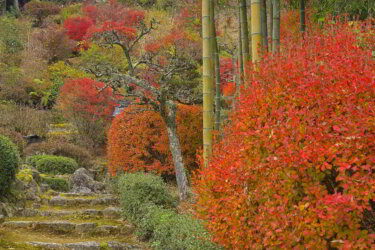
x=69, y=227
x=80, y=194
x=89, y=245
x=109, y=212
x=62, y=201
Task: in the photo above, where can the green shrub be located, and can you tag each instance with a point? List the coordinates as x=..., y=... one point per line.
x=55, y=183
x=167, y=229
x=140, y=190
x=15, y=137
x=53, y=164
x=25, y=175
x=81, y=155
x=9, y=160
x=33, y=159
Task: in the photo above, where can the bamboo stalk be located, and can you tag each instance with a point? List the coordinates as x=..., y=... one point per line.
x=207, y=82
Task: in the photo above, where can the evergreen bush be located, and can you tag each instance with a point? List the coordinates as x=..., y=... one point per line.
x=9, y=160
x=55, y=183
x=138, y=191
x=52, y=164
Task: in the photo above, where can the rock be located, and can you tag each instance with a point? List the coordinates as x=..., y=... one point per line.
x=107, y=230
x=91, y=245
x=7, y=210
x=57, y=226
x=30, y=213
x=33, y=139
x=60, y=201
x=86, y=227
x=36, y=175
x=121, y=246
x=84, y=190
x=46, y=245
x=44, y=187
x=112, y=212
x=83, y=182
x=18, y=224
x=97, y=186
x=92, y=212
x=104, y=201
x=2, y=219
x=36, y=205
x=55, y=213
x=32, y=192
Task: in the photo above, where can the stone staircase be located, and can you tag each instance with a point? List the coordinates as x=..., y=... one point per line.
x=71, y=221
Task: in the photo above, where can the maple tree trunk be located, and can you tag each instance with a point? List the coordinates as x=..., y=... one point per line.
x=256, y=32
x=302, y=16
x=207, y=83
x=175, y=147
x=264, y=23
x=244, y=32
x=216, y=67
x=276, y=26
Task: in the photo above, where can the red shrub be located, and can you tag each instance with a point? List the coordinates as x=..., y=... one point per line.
x=87, y=97
x=89, y=106
x=77, y=27
x=138, y=140
x=297, y=169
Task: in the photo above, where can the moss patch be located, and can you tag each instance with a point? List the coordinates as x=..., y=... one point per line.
x=23, y=235
x=71, y=218
x=67, y=208
x=5, y=244
x=25, y=175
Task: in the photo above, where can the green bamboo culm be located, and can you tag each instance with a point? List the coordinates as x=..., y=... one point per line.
x=264, y=24
x=276, y=26
x=256, y=32
x=240, y=51
x=244, y=33
x=207, y=82
x=216, y=67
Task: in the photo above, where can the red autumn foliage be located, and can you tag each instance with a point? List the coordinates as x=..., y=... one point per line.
x=77, y=27
x=87, y=98
x=296, y=170
x=228, y=87
x=138, y=140
x=114, y=17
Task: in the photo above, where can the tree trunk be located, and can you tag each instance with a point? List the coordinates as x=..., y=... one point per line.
x=269, y=23
x=256, y=33
x=174, y=146
x=240, y=51
x=3, y=7
x=276, y=26
x=216, y=67
x=16, y=6
x=207, y=83
x=244, y=32
x=264, y=24
x=302, y=16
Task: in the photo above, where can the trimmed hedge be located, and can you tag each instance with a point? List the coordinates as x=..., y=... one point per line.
x=138, y=190
x=168, y=230
x=146, y=203
x=51, y=164
x=9, y=160
x=58, y=148
x=57, y=184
